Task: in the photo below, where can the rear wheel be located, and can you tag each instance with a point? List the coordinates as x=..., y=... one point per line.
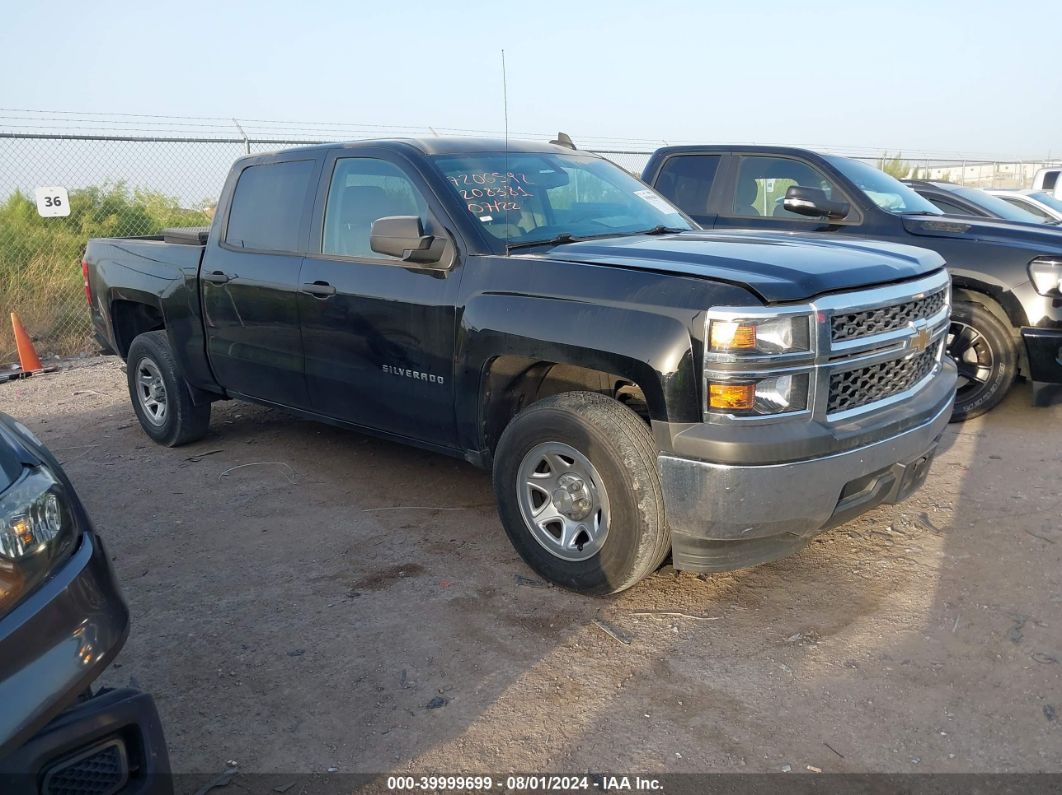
x=160, y=397
x=985, y=354
x=579, y=494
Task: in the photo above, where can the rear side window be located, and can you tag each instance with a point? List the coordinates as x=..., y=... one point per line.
x=945, y=206
x=267, y=206
x=687, y=181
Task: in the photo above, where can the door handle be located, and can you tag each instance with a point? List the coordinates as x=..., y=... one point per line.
x=319, y=289
x=216, y=277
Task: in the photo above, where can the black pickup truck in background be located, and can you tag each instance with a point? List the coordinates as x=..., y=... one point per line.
x=1007, y=277
x=636, y=386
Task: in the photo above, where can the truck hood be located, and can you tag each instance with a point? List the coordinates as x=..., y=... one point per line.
x=777, y=266
x=1042, y=240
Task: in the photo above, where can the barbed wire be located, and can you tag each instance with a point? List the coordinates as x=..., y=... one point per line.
x=46, y=121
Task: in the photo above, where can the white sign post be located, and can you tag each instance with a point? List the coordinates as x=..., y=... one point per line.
x=52, y=202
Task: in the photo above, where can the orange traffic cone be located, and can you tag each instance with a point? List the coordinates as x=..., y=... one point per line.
x=28, y=359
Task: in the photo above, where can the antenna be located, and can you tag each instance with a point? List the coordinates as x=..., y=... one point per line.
x=505, y=111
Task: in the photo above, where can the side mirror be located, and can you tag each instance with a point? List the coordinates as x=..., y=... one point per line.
x=814, y=203
x=402, y=236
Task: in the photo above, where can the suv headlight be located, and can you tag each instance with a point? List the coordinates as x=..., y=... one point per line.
x=36, y=533
x=760, y=335
x=1046, y=276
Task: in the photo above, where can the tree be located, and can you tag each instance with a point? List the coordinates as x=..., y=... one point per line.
x=896, y=166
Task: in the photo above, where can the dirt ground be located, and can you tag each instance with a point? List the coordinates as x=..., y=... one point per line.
x=306, y=599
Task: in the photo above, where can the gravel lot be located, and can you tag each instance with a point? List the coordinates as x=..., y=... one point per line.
x=307, y=598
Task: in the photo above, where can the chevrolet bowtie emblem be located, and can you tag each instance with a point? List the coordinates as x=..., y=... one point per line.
x=920, y=341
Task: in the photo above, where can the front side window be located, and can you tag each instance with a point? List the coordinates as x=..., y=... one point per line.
x=1047, y=199
x=1041, y=215
x=364, y=189
x=763, y=181
x=886, y=192
x=996, y=206
x=687, y=181
x=267, y=206
x=529, y=197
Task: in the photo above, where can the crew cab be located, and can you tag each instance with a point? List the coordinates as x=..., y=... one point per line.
x=1008, y=299
x=636, y=386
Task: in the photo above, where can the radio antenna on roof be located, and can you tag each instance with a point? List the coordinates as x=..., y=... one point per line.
x=505, y=111
x=563, y=139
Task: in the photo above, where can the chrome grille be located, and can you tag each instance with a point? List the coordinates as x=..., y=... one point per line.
x=866, y=322
x=850, y=389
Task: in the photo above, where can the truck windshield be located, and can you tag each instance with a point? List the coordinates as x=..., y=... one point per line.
x=885, y=191
x=526, y=197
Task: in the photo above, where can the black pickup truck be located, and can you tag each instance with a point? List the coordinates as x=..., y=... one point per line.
x=1007, y=277
x=637, y=387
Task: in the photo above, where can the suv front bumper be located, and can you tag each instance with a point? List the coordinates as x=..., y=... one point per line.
x=111, y=742
x=1044, y=348
x=726, y=516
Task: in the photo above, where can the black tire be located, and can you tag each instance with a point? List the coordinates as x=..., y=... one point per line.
x=984, y=350
x=180, y=421
x=622, y=455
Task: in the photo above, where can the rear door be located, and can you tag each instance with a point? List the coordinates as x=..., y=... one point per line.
x=250, y=279
x=687, y=181
x=378, y=334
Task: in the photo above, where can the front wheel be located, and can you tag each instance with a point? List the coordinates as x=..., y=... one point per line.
x=986, y=357
x=160, y=397
x=579, y=494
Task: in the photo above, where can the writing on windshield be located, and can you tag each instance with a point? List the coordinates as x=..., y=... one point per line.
x=491, y=191
x=523, y=197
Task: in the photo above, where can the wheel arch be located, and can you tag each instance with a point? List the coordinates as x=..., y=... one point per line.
x=1002, y=305
x=995, y=298
x=517, y=350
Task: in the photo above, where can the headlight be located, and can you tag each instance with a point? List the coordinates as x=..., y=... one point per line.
x=1046, y=276
x=36, y=533
x=776, y=395
x=762, y=336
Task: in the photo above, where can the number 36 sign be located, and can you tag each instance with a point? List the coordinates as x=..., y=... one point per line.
x=52, y=202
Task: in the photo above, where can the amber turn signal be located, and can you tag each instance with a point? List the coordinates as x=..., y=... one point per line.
x=733, y=336
x=732, y=397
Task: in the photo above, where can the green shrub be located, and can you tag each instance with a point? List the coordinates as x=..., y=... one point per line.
x=40, y=258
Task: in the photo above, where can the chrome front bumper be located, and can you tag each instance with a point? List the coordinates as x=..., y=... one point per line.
x=725, y=517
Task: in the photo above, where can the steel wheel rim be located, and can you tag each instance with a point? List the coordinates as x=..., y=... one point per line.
x=563, y=501
x=151, y=391
x=973, y=355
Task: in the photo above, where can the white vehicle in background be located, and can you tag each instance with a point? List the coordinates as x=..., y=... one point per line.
x=1047, y=180
x=1041, y=203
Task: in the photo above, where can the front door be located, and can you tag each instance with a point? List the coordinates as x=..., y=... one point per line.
x=753, y=197
x=249, y=281
x=378, y=335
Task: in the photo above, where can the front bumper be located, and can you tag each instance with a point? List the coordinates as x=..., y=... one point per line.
x=112, y=742
x=725, y=517
x=57, y=641
x=1044, y=349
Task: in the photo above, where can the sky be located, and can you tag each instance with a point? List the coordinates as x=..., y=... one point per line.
x=965, y=79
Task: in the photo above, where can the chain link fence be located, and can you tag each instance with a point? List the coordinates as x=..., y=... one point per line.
x=129, y=185
x=118, y=186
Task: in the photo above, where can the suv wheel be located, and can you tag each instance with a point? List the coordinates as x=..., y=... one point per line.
x=986, y=357
x=579, y=494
